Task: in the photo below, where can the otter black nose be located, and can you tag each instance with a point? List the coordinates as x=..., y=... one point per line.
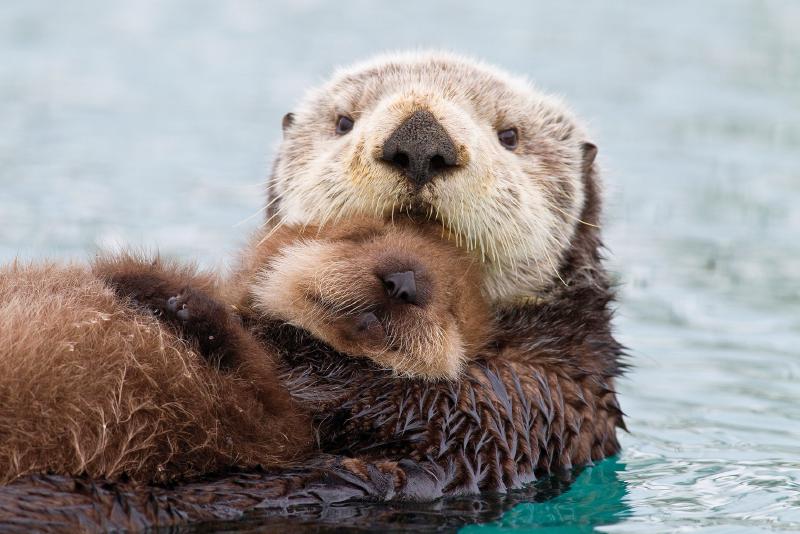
x=421, y=148
x=401, y=286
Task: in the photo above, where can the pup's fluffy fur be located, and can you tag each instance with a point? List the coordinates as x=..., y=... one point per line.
x=91, y=384
x=325, y=279
x=88, y=384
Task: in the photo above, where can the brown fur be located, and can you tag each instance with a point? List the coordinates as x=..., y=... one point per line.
x=322, y=280
x=90, y=385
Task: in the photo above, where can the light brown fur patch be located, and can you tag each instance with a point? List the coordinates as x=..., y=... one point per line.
x=323, y=279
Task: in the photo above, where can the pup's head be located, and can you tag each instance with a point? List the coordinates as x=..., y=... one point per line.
x=408, y=300
x=437, y=137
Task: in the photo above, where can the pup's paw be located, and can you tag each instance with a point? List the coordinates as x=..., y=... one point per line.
x=144, y=289
x=202, y=319
x=180, y=307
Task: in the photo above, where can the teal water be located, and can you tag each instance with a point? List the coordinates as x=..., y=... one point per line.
x=153, y=123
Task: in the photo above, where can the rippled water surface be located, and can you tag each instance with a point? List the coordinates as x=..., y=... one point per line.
x=153, y=123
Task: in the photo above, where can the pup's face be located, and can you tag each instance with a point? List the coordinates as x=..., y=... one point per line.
x=405, y=299
x=435, y=137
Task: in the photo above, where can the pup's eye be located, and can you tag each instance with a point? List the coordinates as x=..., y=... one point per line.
x=343, y=124
x=508, y=138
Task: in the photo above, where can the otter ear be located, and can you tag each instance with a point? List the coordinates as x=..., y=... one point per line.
x=589, y=153
x=591, y=205
x=287, y=121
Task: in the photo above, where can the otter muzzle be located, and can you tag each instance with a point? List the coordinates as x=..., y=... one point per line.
x=420, y=148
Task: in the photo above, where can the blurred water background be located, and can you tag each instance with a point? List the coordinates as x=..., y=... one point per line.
x=153, y=123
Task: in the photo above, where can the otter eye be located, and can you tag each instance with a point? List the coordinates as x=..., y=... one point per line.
x=343, y=124
x=508, y=138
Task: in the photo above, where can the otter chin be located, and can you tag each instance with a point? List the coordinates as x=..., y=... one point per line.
x=497, y=164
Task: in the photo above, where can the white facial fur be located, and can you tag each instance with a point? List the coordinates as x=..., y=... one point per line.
x=516, y=210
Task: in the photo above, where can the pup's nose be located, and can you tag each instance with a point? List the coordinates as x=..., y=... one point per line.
x=421, y=148
x=401, y=286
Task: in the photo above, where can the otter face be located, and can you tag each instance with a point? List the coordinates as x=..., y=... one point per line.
x=441, y=138
x=406, y=300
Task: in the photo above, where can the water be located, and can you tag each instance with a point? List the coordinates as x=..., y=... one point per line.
x=153, y=123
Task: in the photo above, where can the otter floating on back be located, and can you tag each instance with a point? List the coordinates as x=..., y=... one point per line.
x=509, y=176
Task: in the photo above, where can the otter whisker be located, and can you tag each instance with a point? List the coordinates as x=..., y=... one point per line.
x=257, y=213
x=272, y=230
x=574, y=218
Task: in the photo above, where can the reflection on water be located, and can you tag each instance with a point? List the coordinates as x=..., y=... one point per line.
x=597, y=498
x=594, y=498
x=151, y=123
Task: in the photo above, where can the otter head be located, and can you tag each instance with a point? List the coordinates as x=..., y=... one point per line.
x=440, y=138
x=397, y=295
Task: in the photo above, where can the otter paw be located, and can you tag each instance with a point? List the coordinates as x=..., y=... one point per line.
x=178, y=306
x=202, y=319
x=144, y=290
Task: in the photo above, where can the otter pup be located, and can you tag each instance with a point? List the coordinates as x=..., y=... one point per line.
x=395, y=294
x=91, y=385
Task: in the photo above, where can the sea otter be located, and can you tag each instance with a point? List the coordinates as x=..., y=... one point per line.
x=91, y=385
x=509, y=176
x=506, y=171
